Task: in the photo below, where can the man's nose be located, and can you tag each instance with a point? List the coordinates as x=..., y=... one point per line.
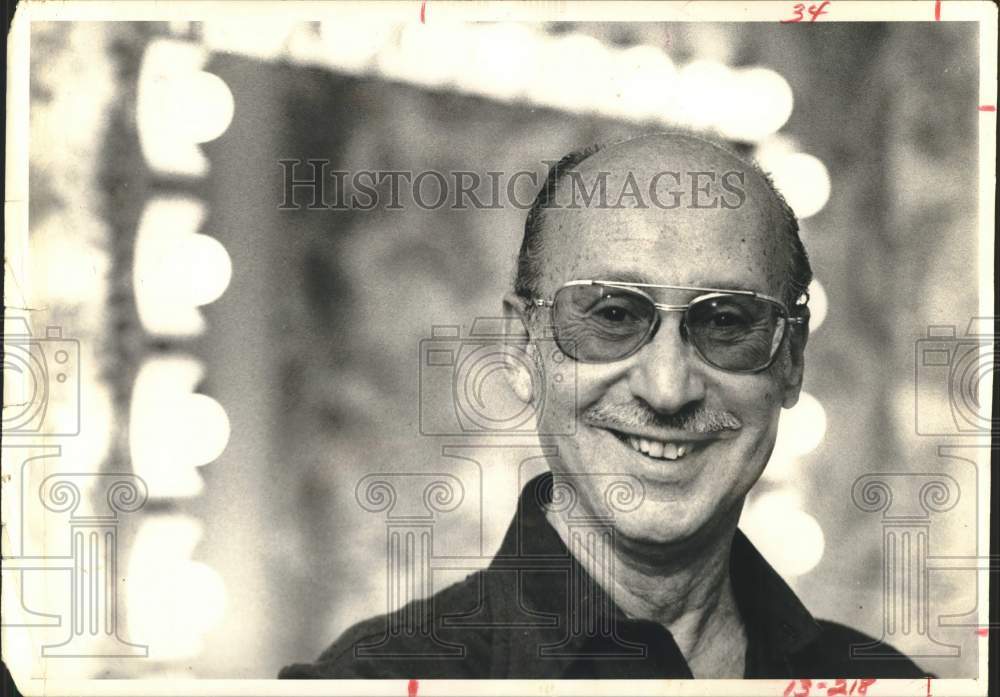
x=668, y=372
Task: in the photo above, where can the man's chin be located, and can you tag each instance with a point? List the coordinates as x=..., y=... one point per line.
x=659, y=525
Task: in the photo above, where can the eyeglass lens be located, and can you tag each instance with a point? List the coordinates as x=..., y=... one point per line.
x=600, y=324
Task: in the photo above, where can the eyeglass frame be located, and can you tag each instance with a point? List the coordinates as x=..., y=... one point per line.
x=706, y=294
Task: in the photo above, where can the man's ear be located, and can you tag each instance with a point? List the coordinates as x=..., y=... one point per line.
x=518, y=347
x=796, y=364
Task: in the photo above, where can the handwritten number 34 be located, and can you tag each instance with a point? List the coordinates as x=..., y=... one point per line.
x=814, y=12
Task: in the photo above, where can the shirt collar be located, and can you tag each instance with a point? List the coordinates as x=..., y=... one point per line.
x=550, y=594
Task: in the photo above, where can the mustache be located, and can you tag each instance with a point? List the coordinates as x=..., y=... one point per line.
x=621, y=417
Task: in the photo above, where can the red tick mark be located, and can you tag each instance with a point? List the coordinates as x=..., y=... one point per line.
x=987, y=107
x=423, y=13
x=928, y=687
x=937, y=10
x=983, y=631
x=411, y=688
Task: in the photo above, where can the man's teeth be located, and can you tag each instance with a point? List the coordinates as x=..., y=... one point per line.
x=657, y=449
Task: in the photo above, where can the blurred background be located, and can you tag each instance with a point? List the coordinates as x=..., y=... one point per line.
x=253, y=358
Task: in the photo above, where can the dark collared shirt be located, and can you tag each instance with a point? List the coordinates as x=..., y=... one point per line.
x=535, y=613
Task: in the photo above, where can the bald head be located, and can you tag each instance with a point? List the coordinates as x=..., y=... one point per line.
x=663, y=196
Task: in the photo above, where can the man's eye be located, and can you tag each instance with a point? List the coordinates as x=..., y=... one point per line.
x=727, y=320
x=614, y=314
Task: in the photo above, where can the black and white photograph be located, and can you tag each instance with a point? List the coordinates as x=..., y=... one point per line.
x=557, y=348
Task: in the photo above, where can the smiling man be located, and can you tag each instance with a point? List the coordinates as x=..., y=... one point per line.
x=680, y=332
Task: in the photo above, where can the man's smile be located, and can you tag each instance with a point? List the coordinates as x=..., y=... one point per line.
x=662, y=443
x=657, y=449
x=666, y=446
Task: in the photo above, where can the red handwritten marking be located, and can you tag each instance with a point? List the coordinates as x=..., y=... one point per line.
x=863, y=686
x=937, y=10
x=817, y=11
x=413, y=685
x=423, y=10
x=840, y=687
x=987, y=107
x=814, y=12
x=983, y=631
x=799, y=9
x=798, y=15
x=806, y=683
x=928, y=687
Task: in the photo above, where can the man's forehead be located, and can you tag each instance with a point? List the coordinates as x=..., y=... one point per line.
x=678, y=231
x=745, y=268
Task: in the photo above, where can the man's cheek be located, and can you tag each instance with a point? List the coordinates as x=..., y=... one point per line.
x=757, y=398
x=557, y=401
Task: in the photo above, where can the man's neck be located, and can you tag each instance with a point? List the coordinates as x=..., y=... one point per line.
x=688, y=592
